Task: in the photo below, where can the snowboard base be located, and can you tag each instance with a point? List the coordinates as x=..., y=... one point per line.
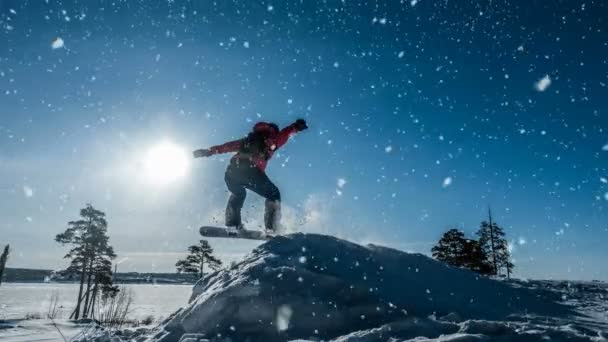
x=220, y=232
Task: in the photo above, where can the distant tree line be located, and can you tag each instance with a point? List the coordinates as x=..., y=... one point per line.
x=489, y=254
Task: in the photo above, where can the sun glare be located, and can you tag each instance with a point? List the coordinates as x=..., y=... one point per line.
x=165, y=163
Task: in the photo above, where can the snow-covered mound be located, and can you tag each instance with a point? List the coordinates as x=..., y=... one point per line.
x=316, y=287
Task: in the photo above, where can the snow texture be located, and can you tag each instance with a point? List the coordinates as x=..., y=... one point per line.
x=347, y=292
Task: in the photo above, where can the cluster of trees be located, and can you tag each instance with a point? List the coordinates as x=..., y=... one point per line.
x=91, y=257
x=489, y=254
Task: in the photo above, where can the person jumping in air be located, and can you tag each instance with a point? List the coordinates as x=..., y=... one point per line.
x=247, y=170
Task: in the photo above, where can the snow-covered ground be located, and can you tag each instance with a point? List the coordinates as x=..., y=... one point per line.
x=311, y=287
x=18, y=300
x=315, y=287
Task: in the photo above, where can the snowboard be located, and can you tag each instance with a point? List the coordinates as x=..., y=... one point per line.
x=220, y=232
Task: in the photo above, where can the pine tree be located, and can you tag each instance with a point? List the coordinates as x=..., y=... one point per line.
x=3, y=260
x=493, y=243
x=200, y=255
x=474, y=258
x=450, y=247
x=90, y=242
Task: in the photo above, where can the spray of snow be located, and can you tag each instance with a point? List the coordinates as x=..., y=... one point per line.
x=542, y=84
x=57, y=43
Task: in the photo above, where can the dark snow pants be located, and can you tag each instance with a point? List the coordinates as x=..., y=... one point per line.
x=240, y=175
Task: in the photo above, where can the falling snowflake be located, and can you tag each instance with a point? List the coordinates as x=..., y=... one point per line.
x=414, y=2
x=522, y=241
x=302, y=259
x=246, y=45
x=27, y=191
x=542, y=84
x=447, y=182
x=388, y=149
x=341, y=182
x=57, y=43
x=605, y=148
x=604, y=180
x=606, y=196
x=401, y=54
x=283, y=317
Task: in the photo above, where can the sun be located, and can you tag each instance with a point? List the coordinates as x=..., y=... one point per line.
x=165, y=163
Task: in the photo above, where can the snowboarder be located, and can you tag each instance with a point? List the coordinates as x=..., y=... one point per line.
x=247, y=170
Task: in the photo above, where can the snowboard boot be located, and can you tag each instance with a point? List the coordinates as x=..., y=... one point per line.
x=233, y=212
x=272, y=217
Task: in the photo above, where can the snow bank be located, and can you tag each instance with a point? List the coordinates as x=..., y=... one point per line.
x=315, y=287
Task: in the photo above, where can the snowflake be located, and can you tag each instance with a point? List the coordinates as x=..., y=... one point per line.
x=542, y=84
x=27, y=191
x=57, y=43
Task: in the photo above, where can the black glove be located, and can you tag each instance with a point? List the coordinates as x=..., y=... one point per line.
x=300, y=125
x=201, y=153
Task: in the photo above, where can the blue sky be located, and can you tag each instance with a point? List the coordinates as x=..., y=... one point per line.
x=399, y=97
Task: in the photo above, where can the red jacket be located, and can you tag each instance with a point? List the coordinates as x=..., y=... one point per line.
x=273, y=143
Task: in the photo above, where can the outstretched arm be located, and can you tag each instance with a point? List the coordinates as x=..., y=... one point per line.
x=231, y=146
x=288, y=131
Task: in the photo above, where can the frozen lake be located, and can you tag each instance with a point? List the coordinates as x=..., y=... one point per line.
x=20, y=299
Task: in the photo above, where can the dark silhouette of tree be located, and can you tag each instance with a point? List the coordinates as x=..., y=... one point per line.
x=456, y=250
x=91, y=248
x=3, y=260
x=449, y=249
x=200, y=255
x=474, y=258
x=493, y=243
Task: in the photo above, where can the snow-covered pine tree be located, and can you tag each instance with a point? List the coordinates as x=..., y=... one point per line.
x=90, y=242
x=200, y=255
x=493, y=243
